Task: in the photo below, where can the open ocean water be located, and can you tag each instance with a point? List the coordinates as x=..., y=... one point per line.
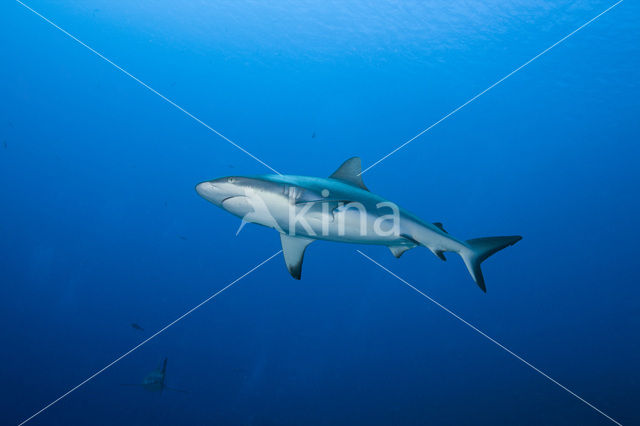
x=101, y=228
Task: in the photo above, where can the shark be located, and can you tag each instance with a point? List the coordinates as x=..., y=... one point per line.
x=339, y=208
x=155, y=380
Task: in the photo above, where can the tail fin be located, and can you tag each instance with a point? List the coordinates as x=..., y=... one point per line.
x=481, y=248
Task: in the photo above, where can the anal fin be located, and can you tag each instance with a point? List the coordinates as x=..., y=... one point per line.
x=439, y=253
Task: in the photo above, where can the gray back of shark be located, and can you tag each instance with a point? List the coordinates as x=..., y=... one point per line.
x=339, y=208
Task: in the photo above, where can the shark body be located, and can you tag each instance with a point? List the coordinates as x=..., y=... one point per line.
x=339, y=208
x=155, y=381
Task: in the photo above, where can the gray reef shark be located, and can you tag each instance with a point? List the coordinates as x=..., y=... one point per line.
x=339, y=208
x=155, y=381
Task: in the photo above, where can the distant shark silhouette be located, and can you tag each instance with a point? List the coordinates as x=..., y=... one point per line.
x=155, y=381
x=325, y=207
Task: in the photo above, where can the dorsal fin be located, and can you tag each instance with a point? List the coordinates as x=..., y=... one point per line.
x=349, y=172
x=439, y=225
x=293, y=249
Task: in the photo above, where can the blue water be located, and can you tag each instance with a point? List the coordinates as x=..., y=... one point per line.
x=101, y=226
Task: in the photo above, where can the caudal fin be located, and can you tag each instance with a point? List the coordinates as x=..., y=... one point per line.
x=478, y=249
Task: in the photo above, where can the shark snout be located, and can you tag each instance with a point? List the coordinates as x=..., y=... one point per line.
x=218, y=190
x=204, y=188
x=210, y=192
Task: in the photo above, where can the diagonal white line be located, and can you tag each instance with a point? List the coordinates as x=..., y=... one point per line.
x=142, y=83
x=181, y=317
x=490, y=87
x=491, y=339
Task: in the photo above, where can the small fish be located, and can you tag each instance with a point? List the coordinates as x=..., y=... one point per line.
x=182, y=237
x=313, y=136
x=136, y=326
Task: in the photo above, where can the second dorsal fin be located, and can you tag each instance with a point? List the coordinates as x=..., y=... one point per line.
x=441, y=226
x=349, y=172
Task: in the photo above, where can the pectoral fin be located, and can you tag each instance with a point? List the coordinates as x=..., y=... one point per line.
x=242, y=224
x=293, y=249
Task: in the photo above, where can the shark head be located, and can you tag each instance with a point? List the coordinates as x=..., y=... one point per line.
x=216, y=191
x=245, y=197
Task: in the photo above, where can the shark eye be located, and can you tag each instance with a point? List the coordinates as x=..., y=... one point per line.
x=231, y=180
